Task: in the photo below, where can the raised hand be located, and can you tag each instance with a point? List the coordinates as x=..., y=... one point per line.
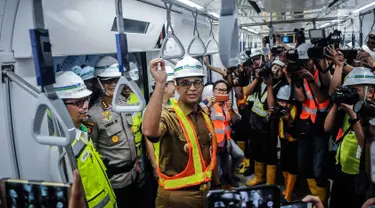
x=160, y=76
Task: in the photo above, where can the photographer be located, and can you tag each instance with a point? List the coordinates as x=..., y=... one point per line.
x=286, y=113
x=370, y=45
x=350, y=137
x=312, y=140
x=223, y=116
x=264, y=141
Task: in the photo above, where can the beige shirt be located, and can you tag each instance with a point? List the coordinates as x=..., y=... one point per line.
x=113, y=139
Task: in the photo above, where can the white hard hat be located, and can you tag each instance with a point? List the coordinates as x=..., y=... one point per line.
x=107, y=67
x=302, y=50
x=170, y=73
x=360, y=76
x=278, y=62
x=133, y=72
x=87, y=73
x=243, y=57
x=256, y=52
x=77, y=69
x=70, y=86
x=208, y=91
x=368, y=50
x=284, y=93
x=188, y=67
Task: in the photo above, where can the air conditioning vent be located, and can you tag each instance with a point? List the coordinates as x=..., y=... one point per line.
x=132, y=26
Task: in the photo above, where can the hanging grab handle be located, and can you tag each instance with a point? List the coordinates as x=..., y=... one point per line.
x=124, y=107
x=228, y=34
x=212, y=39
x=59, y=111
x=170, y=35
x=122, y=58
x=196, y=38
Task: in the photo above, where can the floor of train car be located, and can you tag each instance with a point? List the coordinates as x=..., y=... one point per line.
x=300, y=190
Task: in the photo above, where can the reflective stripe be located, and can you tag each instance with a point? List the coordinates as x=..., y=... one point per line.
x=228, y=128
x=103, y=202
x=219, y=131
x=77, y=147
x=258, y=105
x=308, y=110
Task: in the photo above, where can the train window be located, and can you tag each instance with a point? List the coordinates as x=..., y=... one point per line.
x=132, y=26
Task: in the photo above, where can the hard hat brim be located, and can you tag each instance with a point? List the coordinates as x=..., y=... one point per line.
x=110, y=75
x=190, y=75
x=82, y=94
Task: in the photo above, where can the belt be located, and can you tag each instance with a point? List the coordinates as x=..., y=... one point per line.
x=111, y=170
x=194, y=188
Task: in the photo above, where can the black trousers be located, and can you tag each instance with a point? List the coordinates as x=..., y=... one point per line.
x=289, y=157
x=264, y=148
x=343, y=192
x=128, y=196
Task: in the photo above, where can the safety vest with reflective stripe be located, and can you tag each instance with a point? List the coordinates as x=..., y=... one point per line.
x=349, y=152
x=309, y=108
x=258, y=104
x=221, y=121
x=136, y=126
x=196, y=171
x=97, y=187
x=244, y=98
x=282, y=133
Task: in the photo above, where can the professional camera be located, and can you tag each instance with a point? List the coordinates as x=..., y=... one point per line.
x=366, y=109
x=280, y=111
x=275, y=51
x=346, y=95
x=266, y=70
x=320, y=42
x=293, y=64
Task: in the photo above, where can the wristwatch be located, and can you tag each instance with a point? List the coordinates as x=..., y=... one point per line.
x=353, y=121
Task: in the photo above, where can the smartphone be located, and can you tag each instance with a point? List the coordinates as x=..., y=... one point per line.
x=257, y=196
x=221, y=98
x=22, y=193
x=297, y=204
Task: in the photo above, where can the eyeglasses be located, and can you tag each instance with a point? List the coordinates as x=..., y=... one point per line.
x=222, y=90
x=110, y=81
x=79, y=103
x=187, y=83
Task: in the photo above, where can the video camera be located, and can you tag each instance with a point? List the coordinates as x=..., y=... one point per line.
x=320, y=42
x=293, y=65
x=346, y=95
x=275, y=51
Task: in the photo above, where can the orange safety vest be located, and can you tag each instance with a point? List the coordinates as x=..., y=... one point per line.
x=196, y=171
x=221, y=121
x=244, y=98
x=309, y=108
x=282, y=133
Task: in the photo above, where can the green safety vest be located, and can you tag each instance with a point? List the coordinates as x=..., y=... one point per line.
x=349, y=152
x=136, y=126
x=96, y=184
x=258, y=103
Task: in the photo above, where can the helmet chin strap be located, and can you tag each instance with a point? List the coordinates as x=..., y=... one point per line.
x=365, y=88
x=102, y=87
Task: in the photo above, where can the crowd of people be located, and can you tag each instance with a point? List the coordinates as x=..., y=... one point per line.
x=318, y=110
